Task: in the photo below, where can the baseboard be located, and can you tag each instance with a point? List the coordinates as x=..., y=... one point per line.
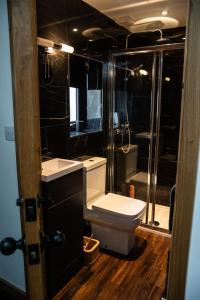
x=9, y=290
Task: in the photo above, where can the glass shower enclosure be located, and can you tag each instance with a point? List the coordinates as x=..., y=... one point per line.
x=146, y=102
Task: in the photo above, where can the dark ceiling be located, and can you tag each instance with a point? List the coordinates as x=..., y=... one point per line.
x=64, y=15
x=56, y=20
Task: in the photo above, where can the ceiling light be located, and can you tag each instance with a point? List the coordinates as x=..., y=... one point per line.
x=164, y=13
x=143, y=72
x=183, y=38
x=167, y=79
x=75, y=29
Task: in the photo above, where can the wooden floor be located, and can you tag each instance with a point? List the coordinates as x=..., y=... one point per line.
x=140, y=277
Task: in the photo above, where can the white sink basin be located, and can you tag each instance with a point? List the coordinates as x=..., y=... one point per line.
x=58, y=167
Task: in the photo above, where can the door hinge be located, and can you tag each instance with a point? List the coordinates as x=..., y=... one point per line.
x=30, y=205
x=30, y=209
x=20, y=202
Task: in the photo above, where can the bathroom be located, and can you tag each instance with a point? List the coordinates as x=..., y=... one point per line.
x=111, y=103
x=123, y=116
x=133, y=122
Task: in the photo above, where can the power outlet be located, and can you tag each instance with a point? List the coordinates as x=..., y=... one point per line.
x=9, y=133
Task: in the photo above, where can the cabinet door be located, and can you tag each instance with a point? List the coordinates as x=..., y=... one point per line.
x=62, y=188
x=64, y=261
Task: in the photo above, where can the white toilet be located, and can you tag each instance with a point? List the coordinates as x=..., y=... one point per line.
x=113, y=217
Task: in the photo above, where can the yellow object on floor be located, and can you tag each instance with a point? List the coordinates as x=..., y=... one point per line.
x=91, y=253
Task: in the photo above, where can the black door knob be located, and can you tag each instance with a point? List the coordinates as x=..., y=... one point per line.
x=55, y=239
x=9, y=245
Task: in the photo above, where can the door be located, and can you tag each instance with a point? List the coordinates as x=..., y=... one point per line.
x=23, y=40
x=146, y=116
x=135, y=83
x=133, y=117
x=167, y=123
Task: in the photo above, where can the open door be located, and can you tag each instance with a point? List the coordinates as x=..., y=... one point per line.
x=189, y=147
x=23, y=38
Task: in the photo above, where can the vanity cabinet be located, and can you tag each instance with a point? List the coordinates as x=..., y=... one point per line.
x=63, y=211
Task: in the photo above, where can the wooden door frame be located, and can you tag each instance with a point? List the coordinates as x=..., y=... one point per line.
x=23, y=41
x=26, y=110
x=188, y=157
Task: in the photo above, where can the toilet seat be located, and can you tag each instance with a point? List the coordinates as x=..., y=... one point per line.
x=121, y=206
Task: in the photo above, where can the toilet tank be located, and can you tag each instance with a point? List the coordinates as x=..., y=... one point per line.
x=94, y=178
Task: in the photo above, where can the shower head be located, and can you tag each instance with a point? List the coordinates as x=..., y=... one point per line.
x=161, y=38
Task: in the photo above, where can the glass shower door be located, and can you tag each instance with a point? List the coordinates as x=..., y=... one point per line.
x=167, y=135
x=133, y=126
x=146, y=116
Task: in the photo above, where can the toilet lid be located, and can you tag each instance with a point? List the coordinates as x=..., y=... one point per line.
x=115, y=204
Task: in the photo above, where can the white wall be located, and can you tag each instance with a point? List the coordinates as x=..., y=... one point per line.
x=11, y=267
x=193, y=273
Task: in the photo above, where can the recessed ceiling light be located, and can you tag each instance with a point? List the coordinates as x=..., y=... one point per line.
x=164, y=13
x=167, y=79
x=75, y=29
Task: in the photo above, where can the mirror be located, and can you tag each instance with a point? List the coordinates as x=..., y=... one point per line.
x=85, y=95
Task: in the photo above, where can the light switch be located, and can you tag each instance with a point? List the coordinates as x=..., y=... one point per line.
x=9, y=133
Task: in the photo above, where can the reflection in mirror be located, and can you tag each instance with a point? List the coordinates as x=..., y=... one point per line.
x=73, y=98
x=94, y=96
x=85, y=95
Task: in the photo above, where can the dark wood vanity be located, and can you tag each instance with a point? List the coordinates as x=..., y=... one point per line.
x=63, y=211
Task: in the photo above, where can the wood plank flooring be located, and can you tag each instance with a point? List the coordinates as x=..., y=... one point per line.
x=112, y=277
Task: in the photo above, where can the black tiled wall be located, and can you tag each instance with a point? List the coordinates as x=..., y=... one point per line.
x=54, y=112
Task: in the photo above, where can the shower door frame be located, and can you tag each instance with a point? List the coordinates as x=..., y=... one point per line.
x=155, y=97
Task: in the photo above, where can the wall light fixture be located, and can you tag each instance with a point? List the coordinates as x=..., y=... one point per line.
x=50, y=44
